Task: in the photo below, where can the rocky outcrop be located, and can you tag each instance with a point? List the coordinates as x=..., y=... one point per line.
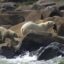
x=34, y=40
x=10, y=19
x=7, y=6
x=52, y=50
x=7, y=52
x=45, y=46
x=61, y=30
x=48, y=43
x=33, y=15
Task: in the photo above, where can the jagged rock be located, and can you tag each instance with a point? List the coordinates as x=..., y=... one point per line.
x=52, y=50
x=7, y=6
x=61, y=30
x=6, y=26
x=33, y=15
x=11, y=19
x=7, y=52
x=51, y=46
x=42, y=5
x=34, y=41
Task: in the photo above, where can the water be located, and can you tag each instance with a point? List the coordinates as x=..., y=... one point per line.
x=27, y=59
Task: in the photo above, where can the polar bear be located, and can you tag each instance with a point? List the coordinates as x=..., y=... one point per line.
x=31, y=27
x=7, y=33
x=2, y=32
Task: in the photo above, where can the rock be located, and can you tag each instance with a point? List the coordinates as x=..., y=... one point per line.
x=42, y=5
x=6, y=26
x=33, y=15
x=7, y=6
x=52, y=50
x=7, y=52
x=16, y=19
x=52, y=46
x=32, y=42
x=11, y=19
x=61, y=30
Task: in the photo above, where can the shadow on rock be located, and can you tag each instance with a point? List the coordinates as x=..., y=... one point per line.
x=44, y=46
x=7, y=52
x=52, y=50
x=52, y=46
x=61, y=30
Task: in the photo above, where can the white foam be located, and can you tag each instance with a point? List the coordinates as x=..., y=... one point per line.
x=27, y=59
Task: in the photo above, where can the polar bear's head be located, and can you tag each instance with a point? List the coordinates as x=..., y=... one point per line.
x=12, y=33
x=52, y=24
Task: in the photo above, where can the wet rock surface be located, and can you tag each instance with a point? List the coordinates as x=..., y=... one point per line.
x=7, y=52
x=61, y=30
x=52, y=50
x=52, y=46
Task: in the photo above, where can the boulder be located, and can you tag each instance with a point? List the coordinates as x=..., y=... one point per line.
x=11, y=19
x=33, y=41
x=45, y=46
x=7, y=6
x=7, y=52
x=52, y=46
x=61, y=30
x=52, y=50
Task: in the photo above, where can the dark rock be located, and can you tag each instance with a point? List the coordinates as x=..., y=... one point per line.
x=16, y=19
x=49, y=9
x=62, y=12
x=61, y=30
x=11, y=19
x=52, y=50
x=6, y=26
x=9, y=15
x=41, y=5
x=7, y=52
x=45, y=46
x=34, y=41
x=7, y=6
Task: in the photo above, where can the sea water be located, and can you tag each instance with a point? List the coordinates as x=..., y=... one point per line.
x=27, y=59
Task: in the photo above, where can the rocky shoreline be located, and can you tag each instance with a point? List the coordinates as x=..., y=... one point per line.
x=46, y=45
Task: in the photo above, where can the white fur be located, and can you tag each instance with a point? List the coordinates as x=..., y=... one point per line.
x=6, y=33
x=2, y=32
x=31, y=27
x=12, y=33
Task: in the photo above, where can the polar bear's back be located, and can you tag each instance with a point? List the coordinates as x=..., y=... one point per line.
x=29, y=25
x=2, y=30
